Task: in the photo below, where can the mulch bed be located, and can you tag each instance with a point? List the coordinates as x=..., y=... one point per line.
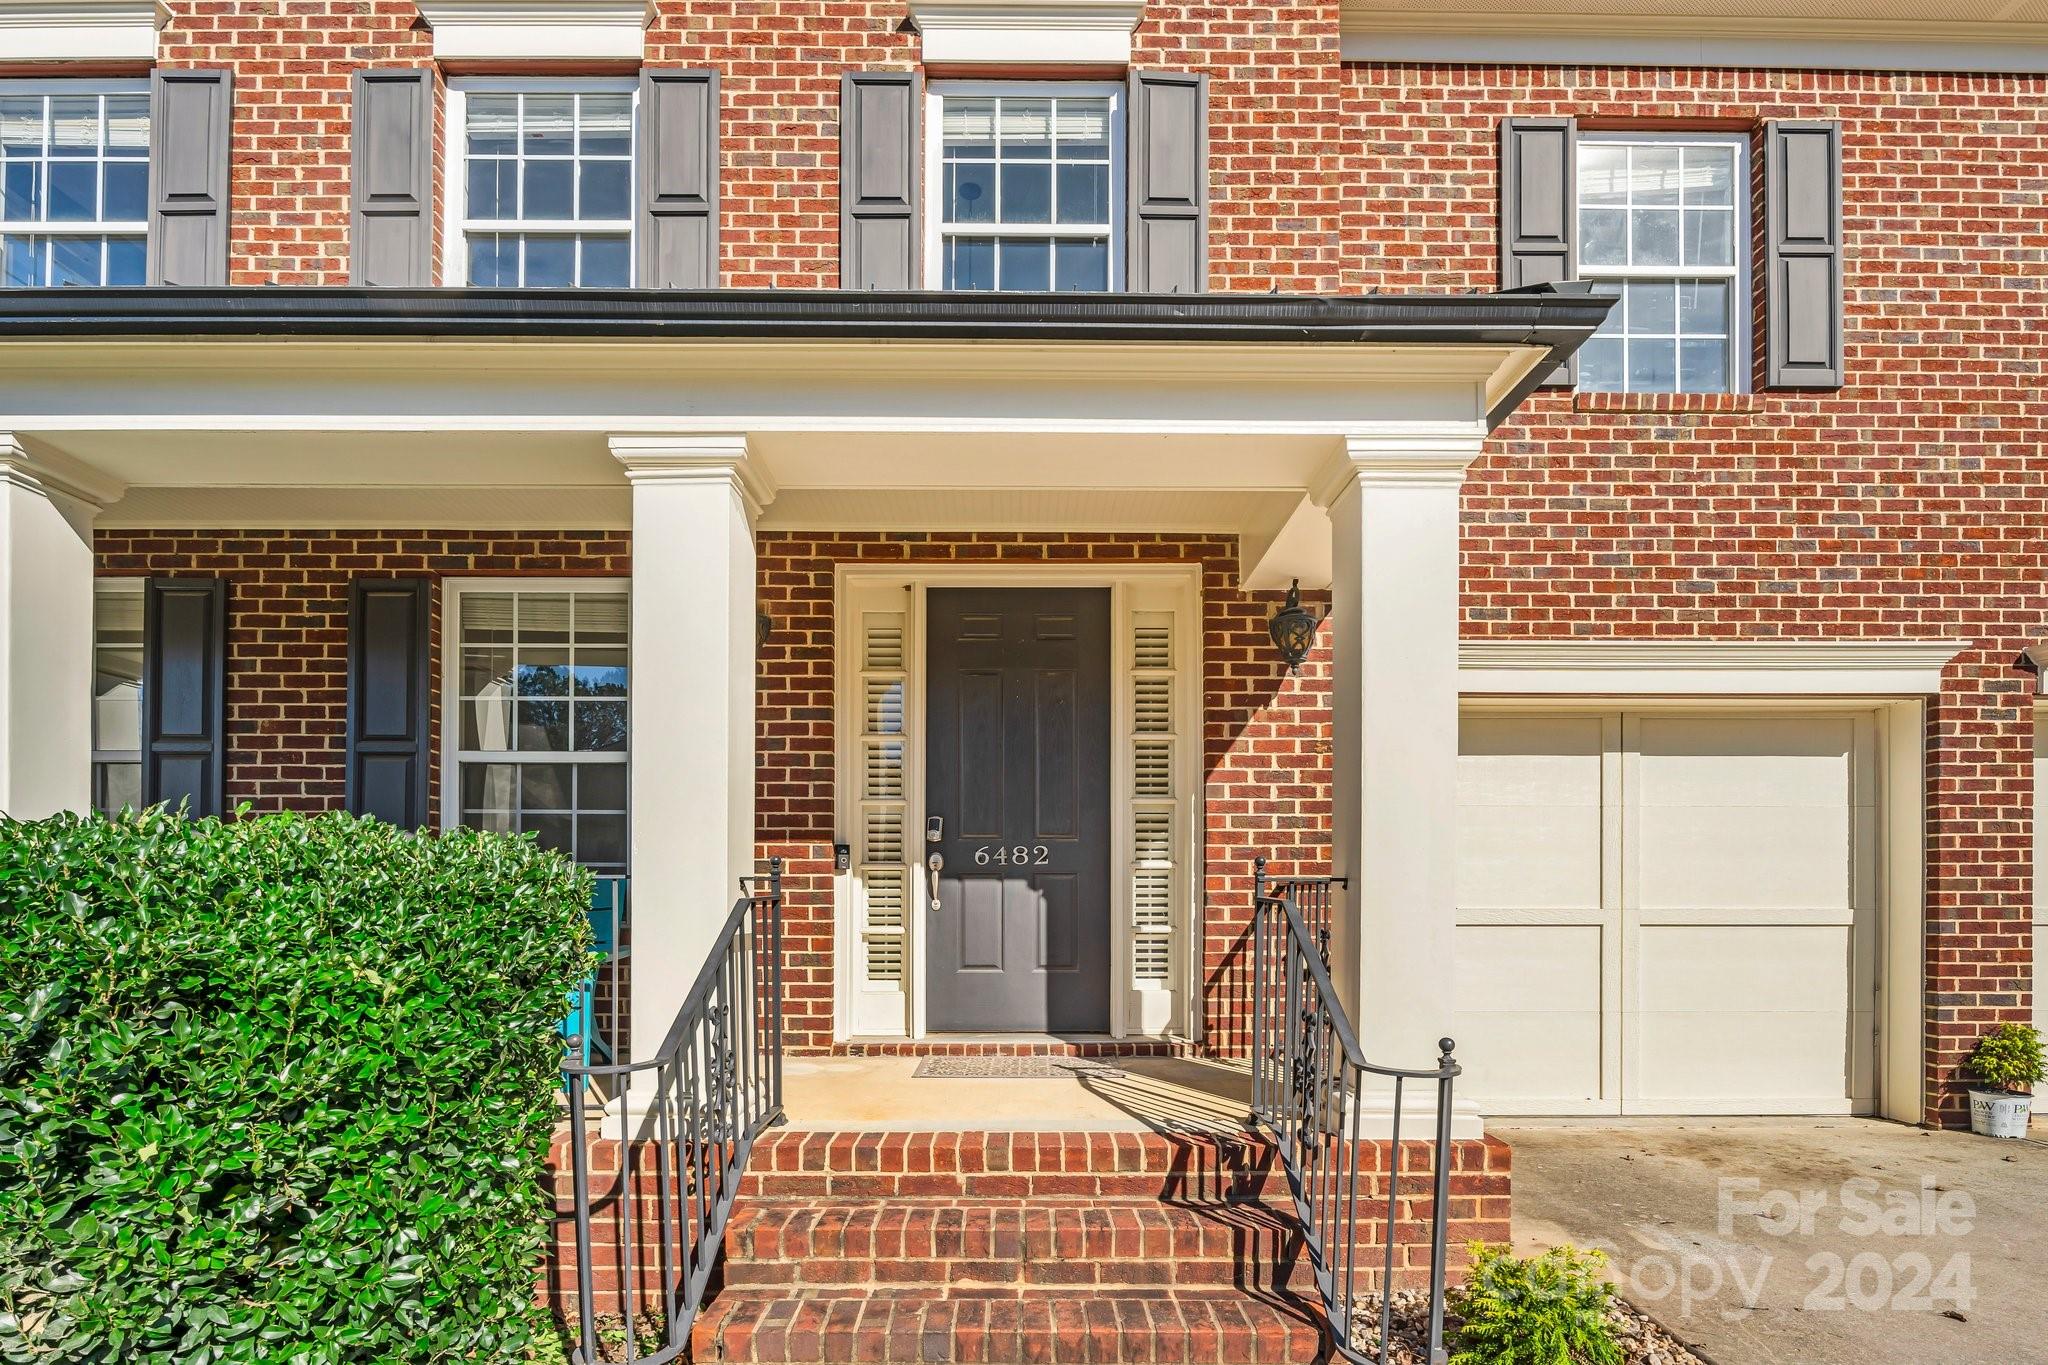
x=1642, y=1340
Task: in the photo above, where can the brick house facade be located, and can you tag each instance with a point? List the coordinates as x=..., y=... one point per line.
x=1759, y=590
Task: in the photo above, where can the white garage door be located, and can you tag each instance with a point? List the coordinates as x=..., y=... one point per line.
x=1668, y=913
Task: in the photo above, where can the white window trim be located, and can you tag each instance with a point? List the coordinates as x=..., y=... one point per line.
x=1742, y=301
x=1014, y=32
x=555, y=31
x=453, y=756
x=82, y=30
x=935, y=181
x=455, y=189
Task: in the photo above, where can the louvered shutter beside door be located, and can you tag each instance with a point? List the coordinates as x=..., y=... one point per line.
x=184, y=688
x=388, y=679
x=391, y=168
x=879, y=116
x=1803, y=244
x=190, y=123
x=1167, y=164
x=1539, y=210
x=679, y=170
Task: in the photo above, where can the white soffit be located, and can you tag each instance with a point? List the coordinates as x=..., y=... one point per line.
x=1776, y=668
x=538, y=30
x=1841, y=35
x=81, y=30
x=1026, y=32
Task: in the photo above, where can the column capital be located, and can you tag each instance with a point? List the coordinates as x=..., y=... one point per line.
x=1436, y=453
x=696, y=457
x=55, y=478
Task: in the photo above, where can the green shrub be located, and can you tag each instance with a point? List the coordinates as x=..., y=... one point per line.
x=1543, y=1310
x=2007, y=1058
x=277, y=1089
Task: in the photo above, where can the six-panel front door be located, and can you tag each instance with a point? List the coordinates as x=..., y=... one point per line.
x=1017, y=793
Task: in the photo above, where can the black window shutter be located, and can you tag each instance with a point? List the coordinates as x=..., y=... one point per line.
x=190, y=122
x=1803, y=255
x=679, y=179
x=391, y=229
x=184, y=692
x=388, y=678
x=879, y=155
x=1539, y=172
x=1168, y=166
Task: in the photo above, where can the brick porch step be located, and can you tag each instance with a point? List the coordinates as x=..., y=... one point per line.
x=1178, y=1167
x=1012, y=1244
x=1187, y=1327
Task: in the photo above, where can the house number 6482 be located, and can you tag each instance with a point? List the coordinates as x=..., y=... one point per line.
x=1015, y=855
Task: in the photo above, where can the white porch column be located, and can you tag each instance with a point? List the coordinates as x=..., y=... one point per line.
x=45, y=640
x=1393, y=502
x=695, y=500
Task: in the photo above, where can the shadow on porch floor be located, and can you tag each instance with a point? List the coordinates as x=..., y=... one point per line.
x=1156, y=1094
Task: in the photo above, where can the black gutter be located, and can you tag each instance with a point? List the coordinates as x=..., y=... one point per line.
x=1558, y=317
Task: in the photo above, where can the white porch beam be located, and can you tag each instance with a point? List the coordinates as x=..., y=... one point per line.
x=45, y=639
x=1393, y=504
x=696, y=497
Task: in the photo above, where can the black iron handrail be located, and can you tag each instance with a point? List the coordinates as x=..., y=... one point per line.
x=1308, y=1084
x=717, y=1085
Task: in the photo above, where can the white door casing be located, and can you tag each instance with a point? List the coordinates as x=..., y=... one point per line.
x=1666, y=910
x=1157, y=822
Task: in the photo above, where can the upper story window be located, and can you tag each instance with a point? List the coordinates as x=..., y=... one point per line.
x=1663, y=222
x=1026, y=187
x=541, y=195
x=74, y=183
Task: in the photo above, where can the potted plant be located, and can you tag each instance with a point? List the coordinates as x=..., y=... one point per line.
x=2008, y=1062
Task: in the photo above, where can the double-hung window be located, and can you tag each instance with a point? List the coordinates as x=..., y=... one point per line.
x=542, y=195
x=1026, y=187
x=74, y=183
x=539, y=690
x=116, y=694
x=1663, y=223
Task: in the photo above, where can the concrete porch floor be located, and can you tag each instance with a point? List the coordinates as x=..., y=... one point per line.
x=1156, y=1094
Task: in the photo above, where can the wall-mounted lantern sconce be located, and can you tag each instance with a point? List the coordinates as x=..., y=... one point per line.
x=764, y=626
x=1293, y=628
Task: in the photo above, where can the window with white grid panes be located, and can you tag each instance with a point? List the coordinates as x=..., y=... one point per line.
x=74, y=184
x=546, y=186
x=116, y=694
x=1026, y=192
x=542, y=719
x=1664, y=225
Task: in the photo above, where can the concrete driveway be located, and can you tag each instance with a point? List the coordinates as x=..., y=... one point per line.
x=1806, y=1242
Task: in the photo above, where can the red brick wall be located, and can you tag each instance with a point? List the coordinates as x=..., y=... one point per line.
x=293, y=60
x=287, y=629
x=1906, y=504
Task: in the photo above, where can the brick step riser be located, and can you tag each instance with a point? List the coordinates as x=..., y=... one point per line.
x=1014, y=1277
x=1006, y=1185
x=1201, y=1328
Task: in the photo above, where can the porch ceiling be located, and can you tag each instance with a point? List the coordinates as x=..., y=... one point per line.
x=469, y=409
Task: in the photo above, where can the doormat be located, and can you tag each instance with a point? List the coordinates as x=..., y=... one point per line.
x=1010, y=1068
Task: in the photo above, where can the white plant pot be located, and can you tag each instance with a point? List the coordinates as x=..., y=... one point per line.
x=2000, y=1113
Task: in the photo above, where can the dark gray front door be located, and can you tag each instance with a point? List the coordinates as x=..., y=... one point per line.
x=1018, y=785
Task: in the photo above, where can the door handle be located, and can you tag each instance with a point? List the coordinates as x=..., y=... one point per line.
x=935, y=862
